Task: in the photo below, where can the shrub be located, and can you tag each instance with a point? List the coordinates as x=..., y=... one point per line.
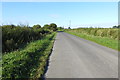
x=15, y=36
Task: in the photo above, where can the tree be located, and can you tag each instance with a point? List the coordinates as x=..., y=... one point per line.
x=53, y=27
x=118, y=26
x=114, y=26
x=36, y=26
x=9, y=26
x=46, y=26
x=60, y=28
x=69, y=28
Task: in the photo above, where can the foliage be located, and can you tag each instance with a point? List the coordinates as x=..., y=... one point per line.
x=69, y=28
x=13, y=37
x=37, y=26
x=53, y=27
x=102, y=32
x=27, y=50
x=60, y=29
x=105, y=36
x=116, y=26
x=29, y=62
x=46, y=26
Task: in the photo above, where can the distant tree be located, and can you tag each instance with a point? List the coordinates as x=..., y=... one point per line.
x=59, y=28
x=53, y=27
x=46, y=26
x=91, y=27
x=118, y=26
x=69, y=28
x=36, y=26
x=114, y=26
x=9, y=26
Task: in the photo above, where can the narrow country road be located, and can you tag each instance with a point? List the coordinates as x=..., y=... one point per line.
x=74, y=57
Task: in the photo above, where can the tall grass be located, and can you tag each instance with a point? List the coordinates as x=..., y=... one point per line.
x=29, y=62
x=102, y=32
x=105, y=36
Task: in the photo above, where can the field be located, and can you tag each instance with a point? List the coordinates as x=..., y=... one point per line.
x=105, y=36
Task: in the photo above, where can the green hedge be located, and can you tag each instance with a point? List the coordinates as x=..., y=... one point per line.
x=29, y=62
x=108, y=37
x=102, y=32
x=14, y=37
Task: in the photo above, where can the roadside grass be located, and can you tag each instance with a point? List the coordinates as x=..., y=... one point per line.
x=60, y=30
x=105, y=41
x=29, y=62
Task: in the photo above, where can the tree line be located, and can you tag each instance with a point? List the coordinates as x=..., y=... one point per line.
x=15, y=36
x=102, y=32
x=116, y=26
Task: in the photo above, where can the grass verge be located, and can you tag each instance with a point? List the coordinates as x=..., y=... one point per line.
x=29, y=62
x=105, y=41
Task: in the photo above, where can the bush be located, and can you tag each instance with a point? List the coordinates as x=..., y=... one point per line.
x=15, y=36
x=103, y=32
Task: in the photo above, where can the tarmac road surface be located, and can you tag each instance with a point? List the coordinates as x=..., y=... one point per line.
x=74, y=57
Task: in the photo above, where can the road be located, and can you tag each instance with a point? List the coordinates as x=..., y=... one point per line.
x=74, y=57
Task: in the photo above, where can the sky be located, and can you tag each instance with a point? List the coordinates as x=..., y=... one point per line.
x=59, y=0
x=80, y=14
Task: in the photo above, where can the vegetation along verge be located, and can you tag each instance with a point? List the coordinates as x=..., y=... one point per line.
x=29, y=62
x=105, y=36
x=26, y=50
